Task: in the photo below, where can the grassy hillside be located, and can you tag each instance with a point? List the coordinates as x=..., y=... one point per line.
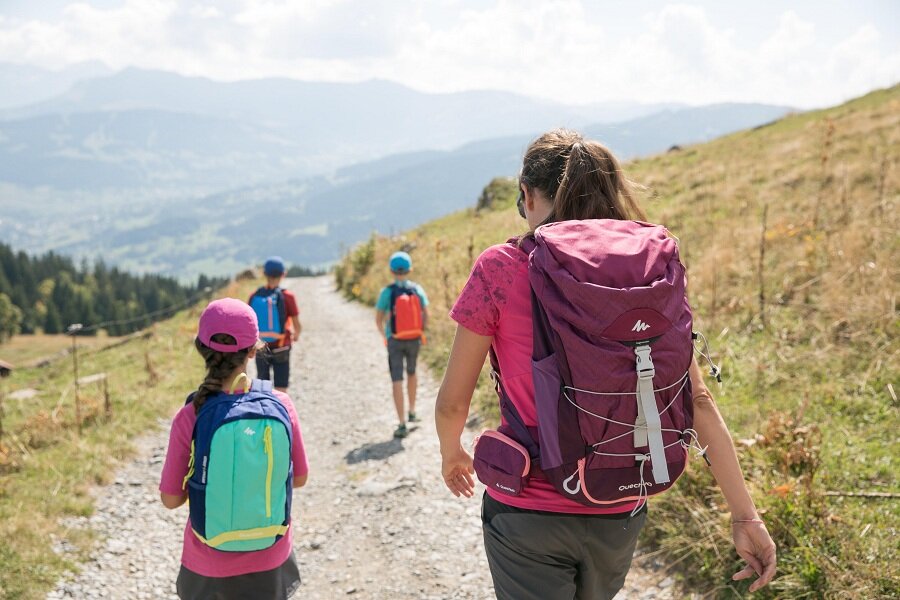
x=789, y=233
x=28, y=350
x=47, y=468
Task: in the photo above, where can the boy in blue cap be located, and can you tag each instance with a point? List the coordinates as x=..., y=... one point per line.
x=279, y=325
x=401, y=318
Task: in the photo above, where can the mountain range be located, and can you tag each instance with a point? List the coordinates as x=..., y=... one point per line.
x=158, y=172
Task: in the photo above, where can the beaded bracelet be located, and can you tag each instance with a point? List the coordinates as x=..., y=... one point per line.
x=736, y=521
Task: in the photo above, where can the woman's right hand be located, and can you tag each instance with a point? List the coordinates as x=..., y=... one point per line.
x=754, y=544
x=457, y=470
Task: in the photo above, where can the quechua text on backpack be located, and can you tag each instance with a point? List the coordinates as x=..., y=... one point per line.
x=240, y=472
x=406, y=312
x=268, y=304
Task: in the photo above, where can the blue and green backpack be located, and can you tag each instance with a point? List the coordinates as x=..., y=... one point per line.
x=240, y=474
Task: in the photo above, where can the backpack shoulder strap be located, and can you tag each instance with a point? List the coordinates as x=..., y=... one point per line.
x=527, y=244
x=282, y=308
x=396, y=292
x=261, y=385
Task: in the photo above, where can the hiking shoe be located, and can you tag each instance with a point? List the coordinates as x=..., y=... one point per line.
x=411, y=417
x=401, y=431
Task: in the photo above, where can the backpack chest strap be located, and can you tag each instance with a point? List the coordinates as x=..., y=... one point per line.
x=648, y=428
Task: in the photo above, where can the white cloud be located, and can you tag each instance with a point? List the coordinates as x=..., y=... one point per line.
x=568, y=50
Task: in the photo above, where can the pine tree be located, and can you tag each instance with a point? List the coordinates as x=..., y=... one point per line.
x=52, y=322
x=10, y=318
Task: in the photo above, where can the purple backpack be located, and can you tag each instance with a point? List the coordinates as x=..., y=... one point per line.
x=612, y=351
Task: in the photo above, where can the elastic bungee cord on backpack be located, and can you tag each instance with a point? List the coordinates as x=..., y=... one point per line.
x=714, y=370
x=688, y=438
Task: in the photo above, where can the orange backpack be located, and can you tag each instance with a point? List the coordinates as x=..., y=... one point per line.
x=406, y=313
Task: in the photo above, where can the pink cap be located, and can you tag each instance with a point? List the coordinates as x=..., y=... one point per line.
x=231, y=316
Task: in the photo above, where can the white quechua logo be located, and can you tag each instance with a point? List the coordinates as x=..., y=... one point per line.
x=249, y=431
x=640, y=326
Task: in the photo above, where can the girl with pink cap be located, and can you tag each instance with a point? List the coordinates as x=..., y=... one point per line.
x=246, y=563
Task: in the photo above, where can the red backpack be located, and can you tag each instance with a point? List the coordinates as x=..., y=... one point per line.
x=612, y=350
x=406, y=313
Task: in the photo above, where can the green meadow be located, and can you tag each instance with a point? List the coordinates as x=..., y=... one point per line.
x=51, y=455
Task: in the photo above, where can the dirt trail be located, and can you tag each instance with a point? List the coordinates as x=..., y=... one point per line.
x=375, y=520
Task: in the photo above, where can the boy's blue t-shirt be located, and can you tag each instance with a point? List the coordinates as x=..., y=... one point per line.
x=384, y=300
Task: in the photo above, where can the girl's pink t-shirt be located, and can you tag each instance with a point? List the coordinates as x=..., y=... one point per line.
x=496, y=302
x=197, y=556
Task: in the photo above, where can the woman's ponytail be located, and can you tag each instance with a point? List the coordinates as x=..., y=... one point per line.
x=581, y=178
x=592, y=186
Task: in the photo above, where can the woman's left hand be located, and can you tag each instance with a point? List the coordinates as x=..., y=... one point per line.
x=754, y=544
x=457, y=470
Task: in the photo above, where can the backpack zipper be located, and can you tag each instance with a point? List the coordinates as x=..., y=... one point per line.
x=267, y=448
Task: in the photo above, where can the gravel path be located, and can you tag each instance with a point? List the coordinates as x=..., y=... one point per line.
x=374, y=521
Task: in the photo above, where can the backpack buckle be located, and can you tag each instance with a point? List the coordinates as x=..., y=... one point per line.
x=645, y=369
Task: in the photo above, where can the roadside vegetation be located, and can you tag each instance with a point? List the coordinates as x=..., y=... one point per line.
x=51, y=457
x=789, y=233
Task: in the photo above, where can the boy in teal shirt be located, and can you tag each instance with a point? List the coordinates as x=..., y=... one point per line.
x=401, y=318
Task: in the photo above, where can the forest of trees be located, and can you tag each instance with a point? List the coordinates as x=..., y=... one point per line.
x=48, y=293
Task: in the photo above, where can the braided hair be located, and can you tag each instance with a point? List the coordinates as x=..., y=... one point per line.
x=219, y=365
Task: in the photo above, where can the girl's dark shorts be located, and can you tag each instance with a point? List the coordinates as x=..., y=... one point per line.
x=278, y=584
x=537, y=555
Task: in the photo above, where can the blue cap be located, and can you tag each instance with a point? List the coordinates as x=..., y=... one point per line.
x=274, y=266
x=400, y=262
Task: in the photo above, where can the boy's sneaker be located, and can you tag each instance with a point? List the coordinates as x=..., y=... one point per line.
x=401, y=431
x=411, y=417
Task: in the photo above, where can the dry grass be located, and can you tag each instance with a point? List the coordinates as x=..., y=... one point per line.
x=23, y=351
x=47, y=468
x=802, y=313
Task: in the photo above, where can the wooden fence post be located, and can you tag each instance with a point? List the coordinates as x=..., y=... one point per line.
x=2, y=398
x=107, y=407
x=72, y=330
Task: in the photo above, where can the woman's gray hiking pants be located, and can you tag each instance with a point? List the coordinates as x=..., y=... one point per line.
x=535, y=555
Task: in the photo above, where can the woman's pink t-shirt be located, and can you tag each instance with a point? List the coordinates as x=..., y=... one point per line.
x=496, y=302
x=197, y=556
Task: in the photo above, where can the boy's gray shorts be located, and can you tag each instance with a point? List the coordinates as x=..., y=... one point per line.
x=536, y=555
x=398, y=351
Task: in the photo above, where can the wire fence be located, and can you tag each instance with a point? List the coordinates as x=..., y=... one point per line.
x=77, y=328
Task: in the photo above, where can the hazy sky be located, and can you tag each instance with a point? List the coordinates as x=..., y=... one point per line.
x=815, y=53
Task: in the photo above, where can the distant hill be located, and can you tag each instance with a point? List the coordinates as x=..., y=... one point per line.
x=143, y=148
x=292, y=128
x=311, y=221
x=26, y=84
x=152, y=170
